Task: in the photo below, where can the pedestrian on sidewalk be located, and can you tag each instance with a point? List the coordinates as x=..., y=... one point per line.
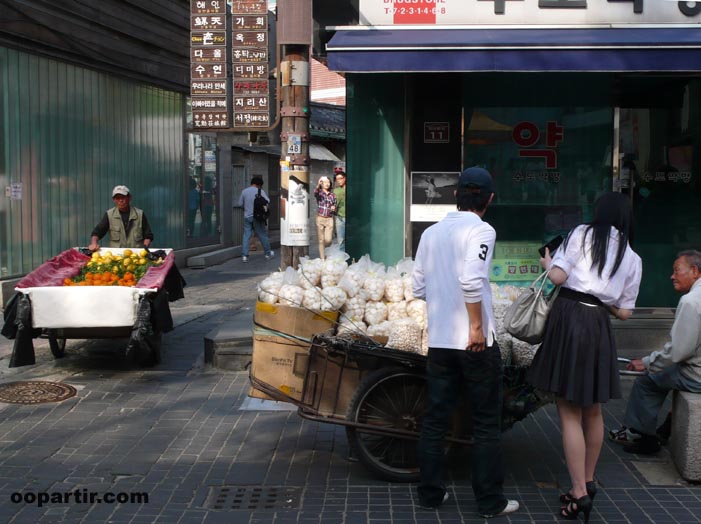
x=250, y=224
x=326, y=202
x=451, y=272
x=340, y=192
x=599, y=274
x=677, y=366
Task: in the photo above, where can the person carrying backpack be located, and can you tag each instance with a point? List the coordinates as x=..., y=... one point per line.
x=256, y=209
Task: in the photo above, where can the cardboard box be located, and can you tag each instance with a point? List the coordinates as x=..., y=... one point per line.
x=281, y=364
x=294, y=321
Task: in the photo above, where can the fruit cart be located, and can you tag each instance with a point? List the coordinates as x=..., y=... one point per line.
x=113, y=293
x=379, y=395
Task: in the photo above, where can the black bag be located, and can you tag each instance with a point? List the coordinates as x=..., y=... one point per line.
x=261, y=209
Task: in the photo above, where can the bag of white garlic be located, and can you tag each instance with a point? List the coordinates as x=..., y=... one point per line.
x=416, y=310
x=312, y=299
x=396, y=310
x=405, y=334
x=375, y=312
x=352, y=281
x=394, y=286
x=291, y=295
x=333, y=298
x=351, y=325
x=374, y=284
x=310, y=271
x=355, y=306
x=334, y=267
x=382, y=329
x=269, y=287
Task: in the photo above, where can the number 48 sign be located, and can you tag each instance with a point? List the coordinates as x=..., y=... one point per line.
x=294, y=144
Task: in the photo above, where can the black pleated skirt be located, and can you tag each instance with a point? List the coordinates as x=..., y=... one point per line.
x=577, y=360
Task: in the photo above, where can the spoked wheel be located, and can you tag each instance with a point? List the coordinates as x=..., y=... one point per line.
x=394, y=399
x=57, y=346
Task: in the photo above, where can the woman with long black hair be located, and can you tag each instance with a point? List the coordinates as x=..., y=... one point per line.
x=599, y=274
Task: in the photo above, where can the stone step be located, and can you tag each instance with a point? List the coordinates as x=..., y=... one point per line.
x=230, y=345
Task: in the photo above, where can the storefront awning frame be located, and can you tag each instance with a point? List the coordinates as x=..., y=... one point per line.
x=533, y=49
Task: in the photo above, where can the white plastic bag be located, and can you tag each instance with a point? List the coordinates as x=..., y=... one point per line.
x=375, y=312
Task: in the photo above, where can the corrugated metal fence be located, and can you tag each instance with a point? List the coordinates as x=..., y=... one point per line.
x=67, y=136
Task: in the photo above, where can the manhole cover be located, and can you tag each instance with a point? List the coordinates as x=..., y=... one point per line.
x=252, y=497
x=35, y=392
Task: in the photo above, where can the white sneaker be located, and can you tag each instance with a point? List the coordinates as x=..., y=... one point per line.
x=244, y=258
x=270, y=255
x=511, y=506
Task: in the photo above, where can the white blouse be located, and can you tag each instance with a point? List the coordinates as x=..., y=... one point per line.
x=621, y=290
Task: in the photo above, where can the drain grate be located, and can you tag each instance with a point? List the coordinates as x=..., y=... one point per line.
x=35, y=392
x=252, y=497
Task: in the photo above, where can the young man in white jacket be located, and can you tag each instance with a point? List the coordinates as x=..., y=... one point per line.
x=451, y=272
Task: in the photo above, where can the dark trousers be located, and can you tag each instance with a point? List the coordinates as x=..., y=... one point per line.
x=448, y=372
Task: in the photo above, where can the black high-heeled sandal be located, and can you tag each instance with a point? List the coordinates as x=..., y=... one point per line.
x=566, y=498
x=577, y=506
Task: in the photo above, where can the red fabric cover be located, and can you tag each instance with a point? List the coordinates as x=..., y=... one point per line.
x=69, y=263
x=52, y=272
x=156, y=275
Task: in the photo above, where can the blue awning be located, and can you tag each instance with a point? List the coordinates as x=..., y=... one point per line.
x=577, y=49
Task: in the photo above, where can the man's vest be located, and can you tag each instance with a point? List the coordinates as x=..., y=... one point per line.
x=118, y=236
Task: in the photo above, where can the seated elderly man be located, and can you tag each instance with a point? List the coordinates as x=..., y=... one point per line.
x=675, y=367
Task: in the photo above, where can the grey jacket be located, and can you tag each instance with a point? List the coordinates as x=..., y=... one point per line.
x=685, y=347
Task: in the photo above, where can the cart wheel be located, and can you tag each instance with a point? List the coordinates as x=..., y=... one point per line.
x=388, y=398
x=57, y=346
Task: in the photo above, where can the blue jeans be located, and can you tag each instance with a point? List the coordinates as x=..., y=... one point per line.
x=649, y=393
x=341, y=232
x=249, y=225
x=448, y=372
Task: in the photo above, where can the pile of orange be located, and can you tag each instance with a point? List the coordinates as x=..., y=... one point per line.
x=119, y=269
x=106, y=278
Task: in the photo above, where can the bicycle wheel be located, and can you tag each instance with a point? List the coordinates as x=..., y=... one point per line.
x=388, y=398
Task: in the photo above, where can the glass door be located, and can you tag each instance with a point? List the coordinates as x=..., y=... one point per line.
x=659, y=144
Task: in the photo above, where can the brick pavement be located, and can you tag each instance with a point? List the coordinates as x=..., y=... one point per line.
x=177, y=433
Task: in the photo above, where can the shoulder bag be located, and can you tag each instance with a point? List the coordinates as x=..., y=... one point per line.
x=525, y=319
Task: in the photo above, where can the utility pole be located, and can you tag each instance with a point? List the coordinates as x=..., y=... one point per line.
x=294, y=41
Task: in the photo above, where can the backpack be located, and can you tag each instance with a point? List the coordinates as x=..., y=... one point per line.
x=261, y=210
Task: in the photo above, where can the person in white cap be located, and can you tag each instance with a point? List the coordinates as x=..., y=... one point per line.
x=127, y=225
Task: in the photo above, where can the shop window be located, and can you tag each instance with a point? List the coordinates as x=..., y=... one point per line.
x=202, y=224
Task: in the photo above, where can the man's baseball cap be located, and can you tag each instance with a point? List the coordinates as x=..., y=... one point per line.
x=120, y=190
x=476, y=179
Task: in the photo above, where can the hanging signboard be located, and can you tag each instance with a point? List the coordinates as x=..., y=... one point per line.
x=236, y=48
x=208, y=64
x=250, y=68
